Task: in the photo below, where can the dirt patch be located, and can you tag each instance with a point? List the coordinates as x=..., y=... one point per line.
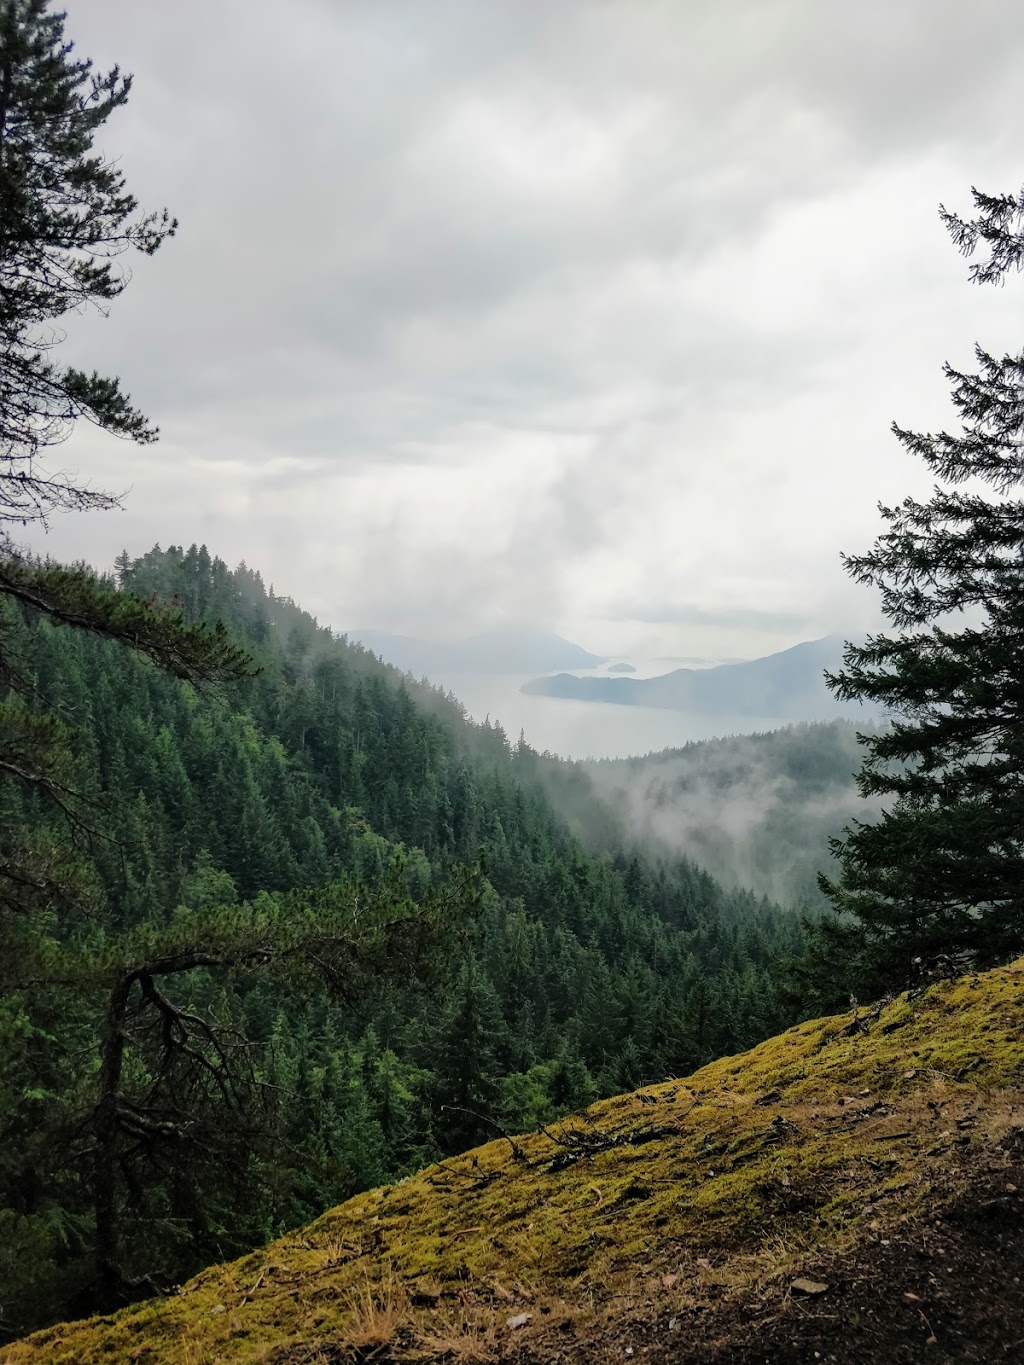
x=943, y=1287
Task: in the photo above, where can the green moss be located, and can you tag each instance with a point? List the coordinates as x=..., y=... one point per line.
x=791, y=1141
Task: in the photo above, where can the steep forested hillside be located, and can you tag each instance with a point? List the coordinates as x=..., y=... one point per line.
x=248, y=1099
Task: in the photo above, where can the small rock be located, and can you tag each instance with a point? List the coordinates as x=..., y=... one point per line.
x=628, y=1351
x=1011, y=1189
x=909, y=1075
x=802, y=1286
x=669, y=1280
x=673, y=1323
x=520, y=1320
x=217, y=1309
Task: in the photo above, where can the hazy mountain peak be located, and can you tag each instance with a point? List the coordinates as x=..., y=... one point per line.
x=512, y=648
x=788, y=684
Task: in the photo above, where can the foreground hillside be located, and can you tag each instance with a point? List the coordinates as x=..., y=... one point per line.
x=847, y=1191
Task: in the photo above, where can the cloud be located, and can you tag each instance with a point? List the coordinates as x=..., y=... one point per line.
x=731, y=617
x=501, y=311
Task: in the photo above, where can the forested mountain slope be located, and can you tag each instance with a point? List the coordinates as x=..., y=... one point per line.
x=566, y=973
x=848, y=1191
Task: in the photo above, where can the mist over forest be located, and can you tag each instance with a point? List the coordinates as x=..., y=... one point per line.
x=755, y=811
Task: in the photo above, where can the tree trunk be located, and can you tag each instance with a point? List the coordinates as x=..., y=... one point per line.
x=106, y=1126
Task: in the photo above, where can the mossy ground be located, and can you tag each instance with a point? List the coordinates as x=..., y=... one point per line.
x=740, y=1176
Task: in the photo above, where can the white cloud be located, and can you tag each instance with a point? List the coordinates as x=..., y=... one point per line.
x=514, y=311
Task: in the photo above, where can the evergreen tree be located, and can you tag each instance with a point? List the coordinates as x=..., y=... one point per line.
x=942, y=872
x=464, y=1060
x=64, y=215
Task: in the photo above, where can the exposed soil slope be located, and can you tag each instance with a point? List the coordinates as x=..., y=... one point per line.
x=848, y=1191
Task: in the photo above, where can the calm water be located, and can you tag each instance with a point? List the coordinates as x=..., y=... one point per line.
x=583, y=729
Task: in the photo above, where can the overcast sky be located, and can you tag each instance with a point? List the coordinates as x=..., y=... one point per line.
x=593, y=315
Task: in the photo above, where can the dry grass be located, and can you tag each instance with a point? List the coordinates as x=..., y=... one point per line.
x=375, y=1312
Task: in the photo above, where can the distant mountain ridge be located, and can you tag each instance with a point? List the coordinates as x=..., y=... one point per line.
x=503, y=649
x=786, y=684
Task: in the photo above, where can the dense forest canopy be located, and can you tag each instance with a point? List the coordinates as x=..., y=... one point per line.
x=216, y=822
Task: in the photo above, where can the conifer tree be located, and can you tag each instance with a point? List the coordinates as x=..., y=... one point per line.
x=465, y=1062
x=942, y=872
x=65, y=216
